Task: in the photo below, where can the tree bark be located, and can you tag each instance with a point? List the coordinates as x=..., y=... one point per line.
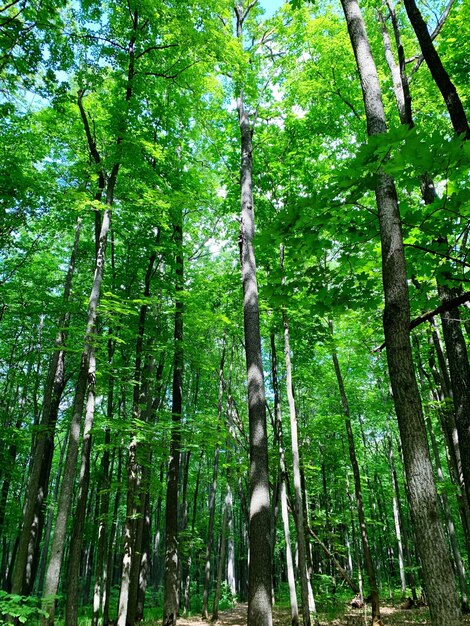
x=445, y=85
x=212, y=494
x=170, y=600
x=73, y=574
x=460, y=381
x=294, y=610
x=298, y=503
x=438, y=576
x=38, y=482
x=260, y=568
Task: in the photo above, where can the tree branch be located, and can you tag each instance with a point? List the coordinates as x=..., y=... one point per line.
x=442, y=308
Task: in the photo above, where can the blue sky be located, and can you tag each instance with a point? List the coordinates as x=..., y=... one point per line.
x=271, y=6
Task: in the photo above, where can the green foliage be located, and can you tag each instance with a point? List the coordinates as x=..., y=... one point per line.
x=24, y=609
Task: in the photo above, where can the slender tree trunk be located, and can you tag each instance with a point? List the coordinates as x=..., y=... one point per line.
x=396, y=521
x=438, y=72
x=460, y=380
x=212, y=494
x=170, y=601
x=260, y=569
x=48, y=531
x=109, y=557
x=73, y=574
x=104, y=497
x=438, y=577
x=135, y=496
x=187, y=589
x=298, y=503
x=66, y=491
x=220, y=567
x=43, y=447
x=294, y=610
x=369, y=564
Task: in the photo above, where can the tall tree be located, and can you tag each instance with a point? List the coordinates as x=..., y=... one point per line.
x=260, y=568
x=435, y=559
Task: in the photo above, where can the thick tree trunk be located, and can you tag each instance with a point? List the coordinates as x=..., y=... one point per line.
x=438, y=576
x=260, y=569
x=450, y=318
x=368, y=562
x=170, y=601
x=449, y=522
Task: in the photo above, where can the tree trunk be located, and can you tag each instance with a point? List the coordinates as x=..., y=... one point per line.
x=294, y=610
x=220, y=567
x=438, y=577
x=460, y=381
x=66, y=491
x=104, y=496
x=73, y=574
x=298, y=503
x=368, y=562
x=135, y=495
x=260, y=569
x=449, y=521
x=43, y=447
x=438, y=72
x=212, y=494
x=170, y=600
x=450, y=319
x=396, y=521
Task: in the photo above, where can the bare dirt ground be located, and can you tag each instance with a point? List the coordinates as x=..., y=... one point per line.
x=391, y=616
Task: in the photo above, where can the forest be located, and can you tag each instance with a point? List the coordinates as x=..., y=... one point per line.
x=234, y=312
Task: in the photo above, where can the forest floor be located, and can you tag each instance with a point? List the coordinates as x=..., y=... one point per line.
x=391, y=616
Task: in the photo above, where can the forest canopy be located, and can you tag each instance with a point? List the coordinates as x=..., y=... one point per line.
x=234, y=309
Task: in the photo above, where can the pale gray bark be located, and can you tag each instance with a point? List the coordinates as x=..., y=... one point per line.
x=220, y=566
x=396, y=521
x=294, y=610
x=298, y=503
x=38, y=481
x=68, y=480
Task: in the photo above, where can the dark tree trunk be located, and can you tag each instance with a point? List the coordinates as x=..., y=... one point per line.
x=438, y=72
x=368, y=562
x=460, y=380
x=212, y=495
x=170, y=601
x=438, y=576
